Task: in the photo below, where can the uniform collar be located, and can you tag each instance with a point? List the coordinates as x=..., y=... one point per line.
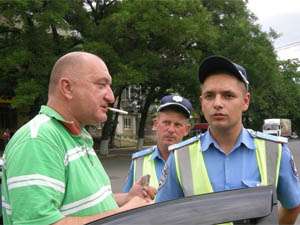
x=244, y=138
x=156, y=154
x=69, y=125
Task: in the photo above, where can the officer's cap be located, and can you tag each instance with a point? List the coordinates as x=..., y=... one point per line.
x=177, y=103
x=213, y=64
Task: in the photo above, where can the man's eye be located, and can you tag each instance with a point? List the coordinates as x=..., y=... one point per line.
x=101, y=85
x=166, y=123
x=229, y=96
x=178, y=125
x=208, y=96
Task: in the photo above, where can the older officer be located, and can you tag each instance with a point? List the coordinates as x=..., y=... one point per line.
x=171, y=125
x=228, y=156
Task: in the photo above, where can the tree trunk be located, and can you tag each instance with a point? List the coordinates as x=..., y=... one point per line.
x=104, y=147
x=115, y=120
x=56, y=39
x=106, y=130
x=140, y=143
x=144, y=112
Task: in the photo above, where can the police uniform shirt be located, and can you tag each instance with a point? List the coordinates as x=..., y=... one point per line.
x=159, y=165
x=236, y=170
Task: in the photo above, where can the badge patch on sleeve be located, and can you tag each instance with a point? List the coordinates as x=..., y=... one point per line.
x=294, y=168
x=163, y=177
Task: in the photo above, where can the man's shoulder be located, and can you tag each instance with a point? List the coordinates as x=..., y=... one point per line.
x=143, y=153
x=267, y=137
x=41, y=126
x=23, y=131
x=184, y=143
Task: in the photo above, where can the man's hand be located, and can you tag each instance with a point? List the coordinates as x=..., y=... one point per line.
x=136, y=202
x=142, y=189
x=288, y=216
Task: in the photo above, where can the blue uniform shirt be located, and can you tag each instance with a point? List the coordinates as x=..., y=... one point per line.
x=236, y=170
x=159, y=165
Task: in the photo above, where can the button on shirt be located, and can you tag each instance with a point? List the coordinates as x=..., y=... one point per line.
x=236, y=170
x=159, y=165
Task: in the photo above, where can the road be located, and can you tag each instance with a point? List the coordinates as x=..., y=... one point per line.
x=117, y=166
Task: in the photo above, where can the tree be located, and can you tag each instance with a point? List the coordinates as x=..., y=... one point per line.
x=156, y=45
x=242, y=40
x=289, y=87
x=29, y=46
x=162, y=41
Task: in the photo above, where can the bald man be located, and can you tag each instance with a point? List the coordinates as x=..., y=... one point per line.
x=52, y=174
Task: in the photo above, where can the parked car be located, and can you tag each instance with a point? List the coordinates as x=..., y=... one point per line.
x=294, y=135
x=198, y=128
x=243, y=206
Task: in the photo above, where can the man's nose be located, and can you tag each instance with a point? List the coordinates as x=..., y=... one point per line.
x=109, y=96
x=171, y=128
x=218, y=102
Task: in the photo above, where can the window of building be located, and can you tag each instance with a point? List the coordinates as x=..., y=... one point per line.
x=127, y=122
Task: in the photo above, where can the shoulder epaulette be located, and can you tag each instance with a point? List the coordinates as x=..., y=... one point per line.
x=268, y=137
x=183, y=143
x=143, y=153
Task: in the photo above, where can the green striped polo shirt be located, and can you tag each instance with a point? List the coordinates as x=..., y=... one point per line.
x=50, y=173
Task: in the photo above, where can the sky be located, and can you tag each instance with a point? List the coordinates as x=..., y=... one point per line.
x=284, y=17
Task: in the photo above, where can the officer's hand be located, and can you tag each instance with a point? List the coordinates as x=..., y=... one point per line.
x=150, y=192
x=142, y=189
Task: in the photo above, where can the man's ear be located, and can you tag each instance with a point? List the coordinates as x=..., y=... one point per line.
x=154, y=124
x=188, y=128
x=246, y=99
x=200, y=99
x=66, y=87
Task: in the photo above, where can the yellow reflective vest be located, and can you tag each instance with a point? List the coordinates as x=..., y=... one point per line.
x=143, y=165
x=192, y=173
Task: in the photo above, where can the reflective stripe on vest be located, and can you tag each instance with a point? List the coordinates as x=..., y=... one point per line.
x=190, y=166
x=268, y=161
x=143, y=166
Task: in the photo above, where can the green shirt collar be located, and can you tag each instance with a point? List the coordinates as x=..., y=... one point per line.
x=70, y=125
x=51, y=113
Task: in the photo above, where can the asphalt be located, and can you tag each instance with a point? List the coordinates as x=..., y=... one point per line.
x=119, y=152
x=126, y=151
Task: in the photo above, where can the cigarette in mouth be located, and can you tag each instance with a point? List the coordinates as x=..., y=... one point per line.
x=117, y=110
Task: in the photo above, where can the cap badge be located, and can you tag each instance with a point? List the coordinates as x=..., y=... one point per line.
x=177, y=98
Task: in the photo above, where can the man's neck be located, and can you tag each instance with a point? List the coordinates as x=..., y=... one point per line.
x=64, y=112
x=60, y=107
x=164, y=152
x=226, y=138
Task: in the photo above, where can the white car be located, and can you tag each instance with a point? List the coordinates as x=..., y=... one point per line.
x=256, y=205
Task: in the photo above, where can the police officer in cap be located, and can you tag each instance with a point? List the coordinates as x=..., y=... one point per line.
x=171, y=125
x=228, y=156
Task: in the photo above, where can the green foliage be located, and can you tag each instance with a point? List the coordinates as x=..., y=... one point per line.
x=161, y=40
x=156, y=44
x=29, y=46
x=30, y=90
